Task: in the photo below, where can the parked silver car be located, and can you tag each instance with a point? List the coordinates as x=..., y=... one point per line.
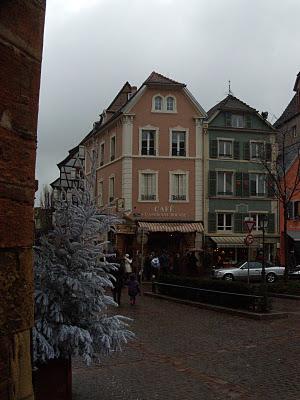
x=294, y=273
x=240, y=272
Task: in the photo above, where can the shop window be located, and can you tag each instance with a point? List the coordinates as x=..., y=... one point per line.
x=224, y=222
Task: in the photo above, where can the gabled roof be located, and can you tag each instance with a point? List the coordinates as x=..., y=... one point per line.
x=288, y=113
x=71, y=154
x=231, y=103
x=296, y=82
x=159, y=80
x=120, y=99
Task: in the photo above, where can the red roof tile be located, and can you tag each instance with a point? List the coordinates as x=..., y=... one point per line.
x=158, y=79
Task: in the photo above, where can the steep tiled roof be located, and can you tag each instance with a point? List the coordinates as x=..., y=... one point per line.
x=158, y=79
x=120, y=99
x=230, y=103
x=288, y=113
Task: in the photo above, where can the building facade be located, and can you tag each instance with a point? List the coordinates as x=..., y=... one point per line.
x=148, y=150
x=237, y=188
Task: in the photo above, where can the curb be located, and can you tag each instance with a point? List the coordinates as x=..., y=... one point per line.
x=226, y=310
x=284, y=296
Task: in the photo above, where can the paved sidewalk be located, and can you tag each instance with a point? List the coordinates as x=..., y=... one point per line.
x=182, y=352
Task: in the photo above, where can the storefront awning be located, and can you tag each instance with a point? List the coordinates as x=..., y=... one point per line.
x=230, y=241
x=295, y=235
x=184, y=227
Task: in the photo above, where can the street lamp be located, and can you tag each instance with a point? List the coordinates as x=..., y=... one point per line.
x=264, y=225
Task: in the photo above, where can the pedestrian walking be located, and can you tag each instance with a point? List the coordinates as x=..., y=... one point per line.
x=128, y=265
x=119, y=275
x=133, y=288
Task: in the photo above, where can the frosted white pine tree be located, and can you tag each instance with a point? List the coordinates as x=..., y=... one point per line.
x=71, y=282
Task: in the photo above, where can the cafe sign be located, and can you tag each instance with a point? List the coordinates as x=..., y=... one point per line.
x=163, y=212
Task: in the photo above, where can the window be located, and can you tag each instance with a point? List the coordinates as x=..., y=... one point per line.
x=237, y=121
x=148, y=143
x=101, y=154
x=158, y=103
x=294, y=132
x=256, y=150
x=224, y=222
x=224, y=183
x=294, y=210
x=112, y=148
x=178, y=143
x=179, y=186
x=257, y=185
x=100, y=194
x=225, y=148
x=170, y=103
x=111, y=188
x=148, y=186
x=258, y=219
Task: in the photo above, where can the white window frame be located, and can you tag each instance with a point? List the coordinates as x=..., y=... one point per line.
x=156, y=147
x=171, y=188
x=255, y=142
x=179, y=129
x=100, y=160
x=100, y=201
x=224, y=221
x=224, y=183
x=141, y=173
x=174, y=110
x=153, y=109
x=225, y=140
x=164, y=108
x=255, y=217
x=240, y=117
x=110, y=187
x=257, y=184
x=110, y=147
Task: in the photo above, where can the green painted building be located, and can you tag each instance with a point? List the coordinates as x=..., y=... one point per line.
x=236, y=140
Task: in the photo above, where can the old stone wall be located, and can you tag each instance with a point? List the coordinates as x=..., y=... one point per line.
x=21, y=42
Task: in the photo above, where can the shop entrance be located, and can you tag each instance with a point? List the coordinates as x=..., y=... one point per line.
x=171, y=242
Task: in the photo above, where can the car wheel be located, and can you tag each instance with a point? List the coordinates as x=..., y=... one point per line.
x=271, y=277
x=228, y=277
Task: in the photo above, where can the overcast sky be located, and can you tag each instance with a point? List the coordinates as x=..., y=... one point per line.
x=92, y=47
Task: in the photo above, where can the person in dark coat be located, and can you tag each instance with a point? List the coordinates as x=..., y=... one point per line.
x=133, y=288
x=119, y=275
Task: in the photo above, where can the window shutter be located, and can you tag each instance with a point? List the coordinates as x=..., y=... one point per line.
x=238, y=222
x=238, y=184
x=271, y=223
x=212, y=183
x=236, y=150
x=212, y=223
x=227, y=116
x=248, y=120
x=268, y=152
x=247, y=151
x=270, y=187
x=245, y=184
x=213, y=148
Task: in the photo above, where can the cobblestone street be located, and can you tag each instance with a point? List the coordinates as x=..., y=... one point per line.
x=183, y=352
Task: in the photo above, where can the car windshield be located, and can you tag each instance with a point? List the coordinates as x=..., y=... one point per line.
x=240, y=264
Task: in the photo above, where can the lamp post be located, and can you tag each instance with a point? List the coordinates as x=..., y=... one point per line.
x=264, y=225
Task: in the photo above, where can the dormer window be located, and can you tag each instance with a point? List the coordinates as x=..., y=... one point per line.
x=170, y=103
x=158, y=103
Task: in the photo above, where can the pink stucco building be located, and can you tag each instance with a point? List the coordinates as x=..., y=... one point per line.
x=147, y=150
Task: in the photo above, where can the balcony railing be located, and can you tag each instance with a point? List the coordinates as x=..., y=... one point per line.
x=148, y=197
x=179, y=197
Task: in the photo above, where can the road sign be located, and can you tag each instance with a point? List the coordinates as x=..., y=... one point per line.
x=249, y=239
x=249, y=224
